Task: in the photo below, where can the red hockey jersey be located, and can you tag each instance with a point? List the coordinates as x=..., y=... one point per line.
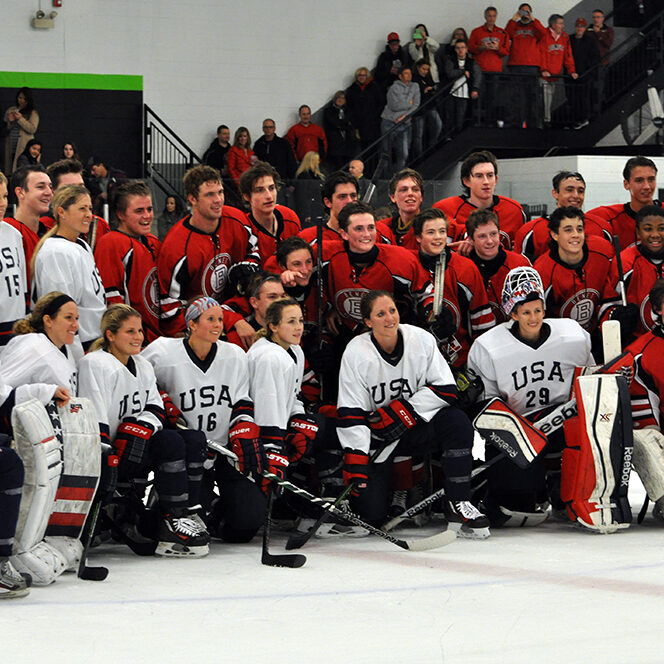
x=622, y=220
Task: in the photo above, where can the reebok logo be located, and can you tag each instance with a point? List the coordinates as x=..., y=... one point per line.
x=627, y=466
x=497, y=440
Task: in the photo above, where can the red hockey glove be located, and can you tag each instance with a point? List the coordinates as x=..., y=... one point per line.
x=172, y=411
x=247, y=445
x=131, y=443
x=302, y=430
x=391, y=422
x=355, y=470
x=277, y=462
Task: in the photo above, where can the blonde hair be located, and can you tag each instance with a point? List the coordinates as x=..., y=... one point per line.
x=273, y=316
x=112, y=321
x=3, y=179
x=35, y=321
x=310, y=162
x=63, y=198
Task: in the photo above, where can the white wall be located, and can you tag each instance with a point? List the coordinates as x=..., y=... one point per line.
x=207, y=62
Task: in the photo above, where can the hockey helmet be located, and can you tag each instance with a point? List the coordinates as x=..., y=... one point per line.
x=521, y=284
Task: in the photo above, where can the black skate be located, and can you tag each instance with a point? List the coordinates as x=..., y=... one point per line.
x=464, y=518
x=12, y=584
x=182, y=536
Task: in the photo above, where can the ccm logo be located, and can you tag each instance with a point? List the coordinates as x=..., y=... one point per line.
x=405, y=416
x=136, y=430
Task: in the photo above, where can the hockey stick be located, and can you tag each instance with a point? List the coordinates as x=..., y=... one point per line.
x=621, y=274
x=84, y=571
x=421, y=544
x=271, y=559
x=439, y=282
x=298, y=540
x=371, y=189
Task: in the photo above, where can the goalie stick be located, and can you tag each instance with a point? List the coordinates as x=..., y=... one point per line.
x=420, y=544
x=84, y=571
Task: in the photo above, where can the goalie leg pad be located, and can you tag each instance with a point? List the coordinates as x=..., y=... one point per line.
x=597, y=460
x=648, y=461
x=509, y=432
x=43, y=562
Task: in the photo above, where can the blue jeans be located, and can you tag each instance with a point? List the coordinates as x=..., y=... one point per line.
x=430, y=123
x=398, y=142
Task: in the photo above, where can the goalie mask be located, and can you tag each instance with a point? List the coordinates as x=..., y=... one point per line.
x=522, y=284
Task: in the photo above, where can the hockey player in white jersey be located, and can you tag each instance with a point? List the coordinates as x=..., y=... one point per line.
x=45, y=348
x=63, y=261
x=395, y=387
x=121, y=384
x=529, y=363
x=206, y=382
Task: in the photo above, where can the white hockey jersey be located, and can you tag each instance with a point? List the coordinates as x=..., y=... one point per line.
x=212, y=393
x=13, y=282
x=275, y=381
x=33, y=358
x=118, y=391
x=369, y=380
x=62, y=265
x=530, y=379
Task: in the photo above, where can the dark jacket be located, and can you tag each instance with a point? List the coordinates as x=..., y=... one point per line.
x=453, y=72
x=339, y=130
x=279, y=153
x=585, y=51
x=386, y=60
x=365, y=104
x=216, y=156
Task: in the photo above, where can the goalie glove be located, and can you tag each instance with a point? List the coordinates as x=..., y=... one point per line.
x=302, y=430
x=247, y=446
x=172, y=411
x=131, y=443
x=390, y=422
x=356, y=465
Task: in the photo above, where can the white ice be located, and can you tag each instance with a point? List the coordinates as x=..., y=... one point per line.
x=554, y=593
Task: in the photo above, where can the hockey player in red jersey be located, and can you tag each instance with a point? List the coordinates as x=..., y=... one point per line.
x=359, y=265
x=466, y=312
x=569, y=189
x=577, y=273
x=640, y=179
x=406, y=189
x=201, y=251
x=479, y=176
x=127, y=257
x=271, y=223
x=492, y=260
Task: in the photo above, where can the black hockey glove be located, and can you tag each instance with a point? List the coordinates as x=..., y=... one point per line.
x=239, y=275
x=391, y=422
x=108, y=477
x=356, y=465
x=443, y=326
x=248, y=447
x=320, y=359
x=131, y=443
x=628, y=317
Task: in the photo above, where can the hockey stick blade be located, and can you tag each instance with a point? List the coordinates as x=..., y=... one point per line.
x=85, y=572
x=93, y=573
x=421, y=544
x=271, y=559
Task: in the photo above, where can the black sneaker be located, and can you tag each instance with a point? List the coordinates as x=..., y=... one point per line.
x=464, y=518
x=182, y=536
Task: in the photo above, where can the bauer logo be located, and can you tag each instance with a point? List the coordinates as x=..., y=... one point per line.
x=151, y=292
x=215, y=275
x=348, y=302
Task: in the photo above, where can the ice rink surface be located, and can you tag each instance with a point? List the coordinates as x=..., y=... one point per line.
x=554, y=593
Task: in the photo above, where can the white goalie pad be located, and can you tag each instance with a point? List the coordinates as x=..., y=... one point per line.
x=597, y=459
x=648, y=461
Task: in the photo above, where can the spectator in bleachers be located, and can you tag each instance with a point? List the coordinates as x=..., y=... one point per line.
x=459, y=33
x=240, y=156
x=525, y=31
x=106, y=179
x=365, y=100
x=69, y=151
x=604, y=36
x=489, y=44
x=466, y=78
x=339, y=131
x=403, y=99
x=586, y=56
x=555, y=54
x=217, y=152
x=309, y=168
x=275, y=150
x=390, y=62
x=305, y=136
x=173, y=212
x=22, y=121
x=426, y=123
x=424, y=47
x=31, y=154
x=356, y=169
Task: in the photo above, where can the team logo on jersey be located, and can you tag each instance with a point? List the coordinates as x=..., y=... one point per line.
x=498, y=312
x=581, y=307
x=215, y=275
x=646, y=314
x=348, y=302
x=150, y=292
